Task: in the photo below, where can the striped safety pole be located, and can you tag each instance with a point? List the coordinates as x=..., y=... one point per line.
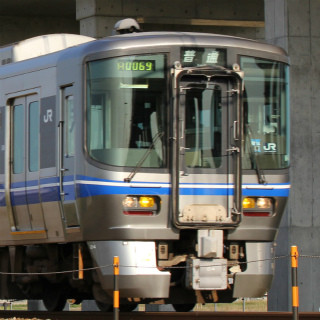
x=116, y=296
x=294, y=279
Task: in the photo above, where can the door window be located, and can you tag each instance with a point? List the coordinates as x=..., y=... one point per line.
x=18, y=139
x=70, y=126
x=34, y=136
x=203, y=127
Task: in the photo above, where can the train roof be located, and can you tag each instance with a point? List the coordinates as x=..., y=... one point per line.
x=135, y=41
x=39, y=46
x=54, y=48
x=193, y=38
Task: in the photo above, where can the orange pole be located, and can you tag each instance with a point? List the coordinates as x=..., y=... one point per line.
x=294, y=279
x=116, y=295
x=80, y=262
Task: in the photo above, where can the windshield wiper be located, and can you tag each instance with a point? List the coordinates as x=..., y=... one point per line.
x=254, y=158
x=158, y=136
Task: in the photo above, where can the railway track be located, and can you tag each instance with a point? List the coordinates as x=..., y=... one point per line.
x=86, y=315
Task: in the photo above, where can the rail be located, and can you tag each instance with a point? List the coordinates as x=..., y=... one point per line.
x=199, y=315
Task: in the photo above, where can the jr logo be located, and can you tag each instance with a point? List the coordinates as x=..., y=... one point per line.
x=270, y=147
x=48, y=117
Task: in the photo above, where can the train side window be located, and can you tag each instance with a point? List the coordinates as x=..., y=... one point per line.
x=18, y=139
x=98, y=123
x=34, y=127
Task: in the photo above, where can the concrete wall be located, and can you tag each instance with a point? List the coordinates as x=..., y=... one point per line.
x=295, y=25
x=97, y=17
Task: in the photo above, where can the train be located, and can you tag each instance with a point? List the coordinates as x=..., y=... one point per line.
x=169, y=150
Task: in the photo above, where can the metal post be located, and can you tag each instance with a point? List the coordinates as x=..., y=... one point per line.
x=116, y=288
x=294, y=279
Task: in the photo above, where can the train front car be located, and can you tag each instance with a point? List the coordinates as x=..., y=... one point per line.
x=187, y=146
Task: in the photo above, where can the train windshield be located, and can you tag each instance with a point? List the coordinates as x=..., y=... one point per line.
x=266, y=115
x=126, y=117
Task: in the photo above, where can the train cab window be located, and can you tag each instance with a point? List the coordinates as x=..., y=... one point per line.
x=34, y=126
x=126, y=117
x=266, y=115
x=18, y=138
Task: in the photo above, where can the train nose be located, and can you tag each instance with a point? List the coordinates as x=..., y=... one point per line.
x=139, y=275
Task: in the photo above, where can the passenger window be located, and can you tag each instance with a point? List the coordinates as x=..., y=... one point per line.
x=18, y=139
x=34, y=136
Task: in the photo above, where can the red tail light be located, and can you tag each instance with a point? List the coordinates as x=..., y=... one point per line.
x=256, y=214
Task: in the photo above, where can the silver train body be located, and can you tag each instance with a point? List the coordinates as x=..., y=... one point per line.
x=169, y=150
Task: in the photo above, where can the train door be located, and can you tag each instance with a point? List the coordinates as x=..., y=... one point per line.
x=67, y=158
x=207, y=184
x=24, y=199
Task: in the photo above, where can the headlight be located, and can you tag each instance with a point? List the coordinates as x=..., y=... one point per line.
x=130, y=202
x=248, y=203
x=146, y=202
x=141, y=205
x=257, y=207
x=264, y=203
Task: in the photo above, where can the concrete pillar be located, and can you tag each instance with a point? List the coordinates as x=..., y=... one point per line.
x=89, y=305
x=159, y=308
x=97, y=17
x=294, y=25
x=37, y=305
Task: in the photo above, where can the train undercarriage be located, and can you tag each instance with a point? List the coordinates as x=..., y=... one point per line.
x=57, y=272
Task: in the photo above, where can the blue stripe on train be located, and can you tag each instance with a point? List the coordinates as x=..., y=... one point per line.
x=89, y=187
